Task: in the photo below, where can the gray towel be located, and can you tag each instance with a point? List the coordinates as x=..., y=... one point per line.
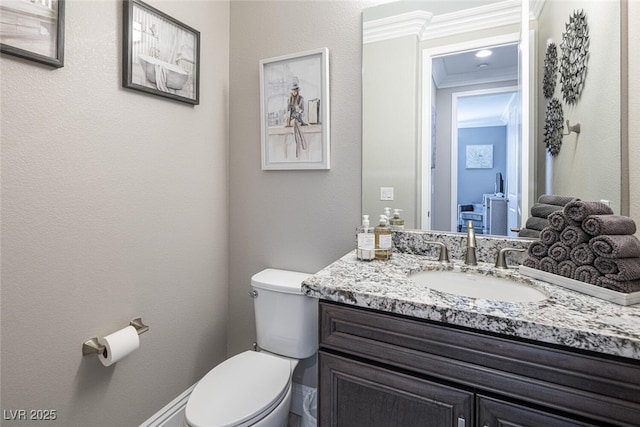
x=538, y=250
x=559, y=221
x=587, y=274
x=579, y=210
x=608, y=224
x=573, y=236
x=559, y=252
x=552, y=199
x=626, y=287
x=535, y=223
x=527, y=232
x=542, y=210
x=549, y=265
x=567, y=269
x=620, y=269
x=531, y=263
x=549, y=236
x=582, y=254
x=615, y=246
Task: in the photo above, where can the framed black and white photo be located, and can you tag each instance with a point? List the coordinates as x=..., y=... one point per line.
x=34, y=30
x=161, y=55
x=294, y=108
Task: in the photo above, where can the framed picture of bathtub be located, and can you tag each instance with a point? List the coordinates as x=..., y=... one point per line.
x=294, y=110
x=161, y=55
x=34, y=30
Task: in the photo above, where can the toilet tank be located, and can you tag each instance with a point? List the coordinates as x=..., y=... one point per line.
x=286, y=319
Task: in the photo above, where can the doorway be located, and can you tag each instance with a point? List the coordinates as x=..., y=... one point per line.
x=439, y=183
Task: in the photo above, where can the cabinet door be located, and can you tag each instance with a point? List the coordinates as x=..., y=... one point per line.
x=497, y=413
x=356, y=394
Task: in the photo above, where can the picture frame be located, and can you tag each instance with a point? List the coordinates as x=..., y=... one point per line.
x=161, y=55
x=294, y=111
x=479, y=156
x=33, y=30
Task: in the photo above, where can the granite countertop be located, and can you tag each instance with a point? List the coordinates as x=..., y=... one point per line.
x=566, y=317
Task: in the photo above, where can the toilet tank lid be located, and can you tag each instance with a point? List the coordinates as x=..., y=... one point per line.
x=279, y=280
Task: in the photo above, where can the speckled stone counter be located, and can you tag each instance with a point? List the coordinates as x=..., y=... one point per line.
x=566, y=317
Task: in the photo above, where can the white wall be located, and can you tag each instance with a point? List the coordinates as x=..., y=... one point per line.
x=295, y=220
x=634, y=111
x=114, y=205
x=597, y=109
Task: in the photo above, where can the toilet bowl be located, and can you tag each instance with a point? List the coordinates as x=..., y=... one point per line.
x=254, y=388
x=250, y=389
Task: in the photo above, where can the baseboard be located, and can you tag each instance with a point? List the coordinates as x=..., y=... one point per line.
x=171, y=415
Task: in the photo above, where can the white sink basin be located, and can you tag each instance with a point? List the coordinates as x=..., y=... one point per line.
x=477, y=285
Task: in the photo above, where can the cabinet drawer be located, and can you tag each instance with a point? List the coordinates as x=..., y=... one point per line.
x=582, y=384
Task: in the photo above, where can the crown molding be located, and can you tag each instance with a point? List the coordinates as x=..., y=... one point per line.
x=405, y=24
x=425, y=25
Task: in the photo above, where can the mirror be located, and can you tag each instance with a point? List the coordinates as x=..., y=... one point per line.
x=398, y=97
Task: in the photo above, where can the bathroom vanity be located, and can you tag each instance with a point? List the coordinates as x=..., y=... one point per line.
x=396, y=353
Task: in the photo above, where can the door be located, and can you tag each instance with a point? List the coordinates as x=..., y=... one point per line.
x=357, y=394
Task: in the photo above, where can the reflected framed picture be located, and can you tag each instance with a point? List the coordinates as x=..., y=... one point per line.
x=33, y=30
x=161, y=55
x=294, y=111
x=479, y=156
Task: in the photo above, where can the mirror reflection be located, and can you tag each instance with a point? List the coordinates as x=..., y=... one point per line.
x=448, y=132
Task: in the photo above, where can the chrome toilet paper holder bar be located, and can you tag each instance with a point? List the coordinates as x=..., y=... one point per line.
x=92, y=345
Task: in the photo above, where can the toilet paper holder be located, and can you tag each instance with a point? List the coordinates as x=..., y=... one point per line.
x=92, y=346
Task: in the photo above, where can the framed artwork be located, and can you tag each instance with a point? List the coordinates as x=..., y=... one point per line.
x=480, y=156
x=294, y=111
x=34, y=30
x=161, y=55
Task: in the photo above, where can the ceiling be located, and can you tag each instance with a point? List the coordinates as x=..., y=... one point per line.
x=462, y=69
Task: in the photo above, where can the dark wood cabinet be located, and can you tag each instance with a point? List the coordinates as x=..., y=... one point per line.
x=365, y=395
x=380, y=369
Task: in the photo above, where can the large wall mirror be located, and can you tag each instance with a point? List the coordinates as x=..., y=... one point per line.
x=445, y=130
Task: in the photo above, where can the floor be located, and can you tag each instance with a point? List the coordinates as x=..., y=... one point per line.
x=294, y=420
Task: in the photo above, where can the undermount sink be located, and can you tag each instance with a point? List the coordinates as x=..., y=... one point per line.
x=478, y=285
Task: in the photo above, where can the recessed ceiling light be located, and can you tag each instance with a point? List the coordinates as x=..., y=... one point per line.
x=483, y=65
x=483, y=53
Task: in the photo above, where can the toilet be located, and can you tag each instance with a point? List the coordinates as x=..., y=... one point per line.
x=254, y=388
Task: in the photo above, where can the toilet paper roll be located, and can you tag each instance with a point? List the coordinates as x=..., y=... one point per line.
x=118, y=345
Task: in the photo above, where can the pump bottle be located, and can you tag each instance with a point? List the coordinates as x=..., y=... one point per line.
x=396, y=222
x=365, y=245
x=383, y=239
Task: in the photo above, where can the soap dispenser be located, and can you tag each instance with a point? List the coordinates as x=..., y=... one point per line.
x=383, y=239
x=396, y=222
x=365, y=245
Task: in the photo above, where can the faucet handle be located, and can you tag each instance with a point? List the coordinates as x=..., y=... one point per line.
x=444, y=252
x=501, y=259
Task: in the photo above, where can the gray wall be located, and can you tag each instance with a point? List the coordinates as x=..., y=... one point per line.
x=114, y=205
x=295, y=220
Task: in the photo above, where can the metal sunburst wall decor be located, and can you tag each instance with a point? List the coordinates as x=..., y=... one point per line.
x=550, y=70
x=553, y=126
x=575, y=53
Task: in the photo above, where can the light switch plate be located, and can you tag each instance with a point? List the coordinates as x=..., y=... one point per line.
x=386, y=193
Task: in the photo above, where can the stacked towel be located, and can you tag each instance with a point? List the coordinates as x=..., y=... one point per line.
x=547, y=204
x=578, y=210
x=608, y=224
x=585, y=241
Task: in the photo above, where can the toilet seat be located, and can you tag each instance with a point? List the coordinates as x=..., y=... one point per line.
x=240, y=391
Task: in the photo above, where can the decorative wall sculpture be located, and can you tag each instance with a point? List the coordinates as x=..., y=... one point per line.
x=553, y=126
x=550, y=70
x=575, y=53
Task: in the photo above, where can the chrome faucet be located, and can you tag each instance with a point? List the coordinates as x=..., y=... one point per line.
x=444, y=253
x=501, y=260
x=470, y=256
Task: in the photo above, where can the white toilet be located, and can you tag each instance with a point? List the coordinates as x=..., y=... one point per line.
x=254, y=388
